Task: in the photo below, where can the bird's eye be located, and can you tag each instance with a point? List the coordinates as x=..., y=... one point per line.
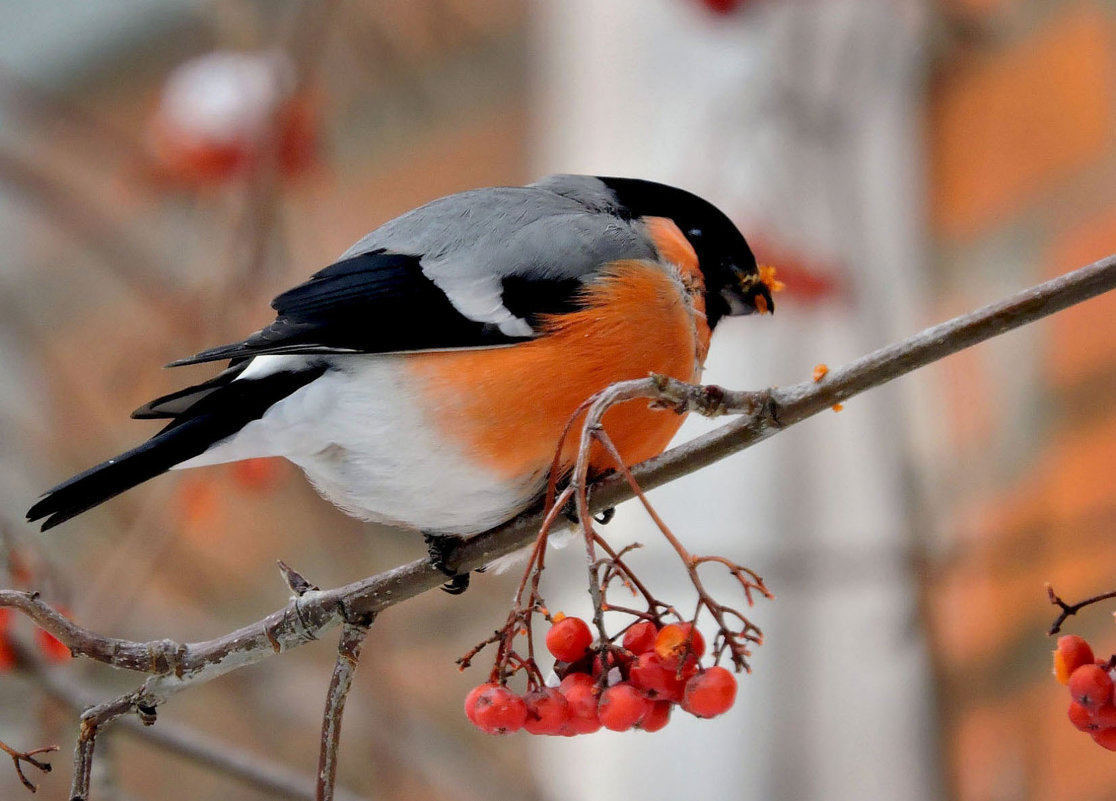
x=694, y=233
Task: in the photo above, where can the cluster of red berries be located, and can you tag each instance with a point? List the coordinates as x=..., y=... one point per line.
x=1090, y=684
x=633, y=686
x=48, y=646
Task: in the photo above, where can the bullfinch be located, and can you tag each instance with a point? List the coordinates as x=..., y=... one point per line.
x=425, y=378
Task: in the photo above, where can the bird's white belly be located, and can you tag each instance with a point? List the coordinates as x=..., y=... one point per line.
x=359, y=435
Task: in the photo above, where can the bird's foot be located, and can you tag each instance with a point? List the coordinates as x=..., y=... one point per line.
x=440, y=548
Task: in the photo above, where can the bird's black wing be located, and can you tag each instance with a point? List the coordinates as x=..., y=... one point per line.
x=383, y=302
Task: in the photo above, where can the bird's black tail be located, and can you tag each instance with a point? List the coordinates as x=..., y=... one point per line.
x=201, y=416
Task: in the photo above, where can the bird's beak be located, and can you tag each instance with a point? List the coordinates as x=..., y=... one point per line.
x=751, y=291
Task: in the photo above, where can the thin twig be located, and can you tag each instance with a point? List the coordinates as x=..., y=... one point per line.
x=19, y=757
x=348, y=656
x=91, y=722
x=1067, y=610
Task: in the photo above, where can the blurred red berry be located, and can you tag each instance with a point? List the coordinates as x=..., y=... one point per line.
x=1105, y=738
x=7, y=654
x=581, y=695
x=49, y=646
x=569, y=639
x=1071, y=653
x=671, y=643
x=622, y=706
x=710, y=693
x=657, y=718
x=498, y=710
x=1091, y=686
x=723, y=6
x=471, y=700
x=548, y=711
x=221, y=113
x=640, y=637
x=256, y=475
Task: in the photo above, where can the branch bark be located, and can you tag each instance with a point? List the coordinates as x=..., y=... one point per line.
x=172, y=666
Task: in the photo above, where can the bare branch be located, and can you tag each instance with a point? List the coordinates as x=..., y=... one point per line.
x=273, y=778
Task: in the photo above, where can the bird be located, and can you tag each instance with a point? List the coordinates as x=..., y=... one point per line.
x=425, y=378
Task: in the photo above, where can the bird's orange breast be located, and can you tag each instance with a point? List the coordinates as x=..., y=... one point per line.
x=507, y=407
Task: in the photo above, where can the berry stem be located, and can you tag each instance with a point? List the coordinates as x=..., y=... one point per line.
x=1069, y=610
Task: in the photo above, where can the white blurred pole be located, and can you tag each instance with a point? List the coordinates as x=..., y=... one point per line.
x=801, y=118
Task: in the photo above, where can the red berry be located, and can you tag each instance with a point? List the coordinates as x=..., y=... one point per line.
x=657, y=718
x=710, y=693
x=1091, y=686
x=640, y=637
x=671, y=643
x=569, y=639
x=622, y=706
x=500, y=711
x=1105, y=717
x=1072, y=652
x=471, y=700
x=1079, y=716
x=657, y=681
x=581, y=695
x=1105, y=738
x=547, y=711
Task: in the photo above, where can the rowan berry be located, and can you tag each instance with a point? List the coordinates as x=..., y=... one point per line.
x=1105, y=738
x=1079, y=716
x=569, y=639
x=547, y=711
x=657, y=718
x=674, y=641
x=1091, y=686
x=654, y=679
x=1071, y=653
x=581, y=696
x=1105, y=717
x=622, y=706
x=640, y=636
x=499, y=711
x=710, y=693
x=471, y=700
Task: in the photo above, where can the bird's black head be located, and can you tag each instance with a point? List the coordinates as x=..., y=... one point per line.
x=732, y=280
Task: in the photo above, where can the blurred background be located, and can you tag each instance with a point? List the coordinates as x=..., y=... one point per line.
x=167, y=166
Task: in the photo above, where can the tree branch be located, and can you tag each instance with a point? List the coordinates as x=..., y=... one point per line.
x=348, y=655
x=173, y=666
